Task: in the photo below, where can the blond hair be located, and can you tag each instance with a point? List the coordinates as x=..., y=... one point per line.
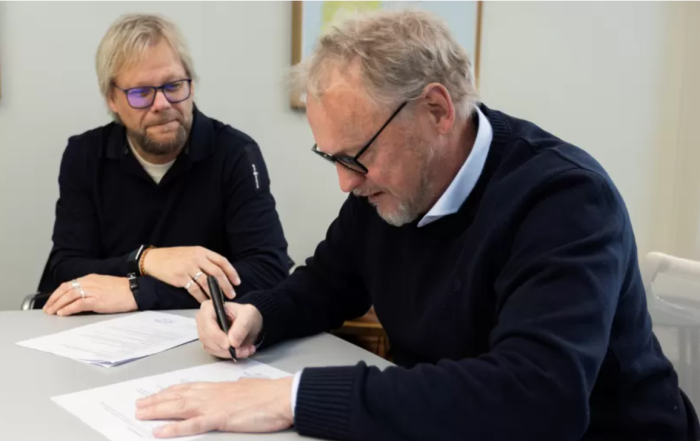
x=126, y=42
x=399, y=54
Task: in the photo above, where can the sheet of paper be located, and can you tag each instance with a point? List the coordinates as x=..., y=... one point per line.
x=111, y=410
x=113, y=342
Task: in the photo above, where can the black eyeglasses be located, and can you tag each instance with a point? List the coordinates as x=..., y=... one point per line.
x=145, y=96
x=351, y=162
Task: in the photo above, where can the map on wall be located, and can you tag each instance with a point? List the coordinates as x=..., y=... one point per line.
x=310, y=19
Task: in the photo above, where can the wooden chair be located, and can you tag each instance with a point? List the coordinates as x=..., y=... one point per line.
x=366, y=332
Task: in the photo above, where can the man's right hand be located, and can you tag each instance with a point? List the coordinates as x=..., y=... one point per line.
x=178, y=266
x=245, y=329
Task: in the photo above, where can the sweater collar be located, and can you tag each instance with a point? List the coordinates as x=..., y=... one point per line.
x=463, y=183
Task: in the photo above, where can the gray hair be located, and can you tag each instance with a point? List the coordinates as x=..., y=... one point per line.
x=399, y=54
x=126, y=42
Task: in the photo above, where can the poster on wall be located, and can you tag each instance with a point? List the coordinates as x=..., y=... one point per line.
x=310, y=19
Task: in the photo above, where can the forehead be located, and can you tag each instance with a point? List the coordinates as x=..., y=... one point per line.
x=157, y=64
x=343, y=118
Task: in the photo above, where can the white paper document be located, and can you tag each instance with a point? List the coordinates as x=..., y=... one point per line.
x=111, y=410
x=113, y=342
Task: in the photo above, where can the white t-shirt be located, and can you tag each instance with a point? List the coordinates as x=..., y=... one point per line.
x=155, y=171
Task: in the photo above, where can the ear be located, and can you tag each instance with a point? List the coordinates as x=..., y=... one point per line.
x=440, y=108
x=111, y=101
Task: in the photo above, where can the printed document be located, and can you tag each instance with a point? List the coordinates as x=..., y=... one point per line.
x=111, y=410
x=113, y=342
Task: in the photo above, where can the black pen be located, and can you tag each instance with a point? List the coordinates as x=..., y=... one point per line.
x=218, y=298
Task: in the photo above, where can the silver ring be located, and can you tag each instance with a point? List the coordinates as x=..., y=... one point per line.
x=82, y=294
x=75, y=284
x=189, y=284
x=196, y=276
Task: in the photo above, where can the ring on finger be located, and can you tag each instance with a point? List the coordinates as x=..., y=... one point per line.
x=82, y=293
x=75, y=284
x=189, y=284
x=196, y=276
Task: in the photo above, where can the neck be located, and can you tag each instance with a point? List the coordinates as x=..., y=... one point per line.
x=154, y=159
x=452, y=157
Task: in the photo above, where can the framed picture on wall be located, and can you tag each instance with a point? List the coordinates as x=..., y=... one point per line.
x=311, y=18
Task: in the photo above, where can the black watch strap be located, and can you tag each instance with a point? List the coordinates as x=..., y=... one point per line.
x=132, y=261
x=134, y=286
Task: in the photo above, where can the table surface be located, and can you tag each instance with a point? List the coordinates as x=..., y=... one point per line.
x=29, y=378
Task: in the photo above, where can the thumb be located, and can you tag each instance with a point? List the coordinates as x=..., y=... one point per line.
x=230, y=308
x=241, y=328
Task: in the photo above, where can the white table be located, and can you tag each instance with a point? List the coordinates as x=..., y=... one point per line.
x=29, y=378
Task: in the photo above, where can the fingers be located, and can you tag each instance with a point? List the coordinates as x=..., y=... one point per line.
x=213, y=270
x=226, y=267
x=57, y=294
x=195, y=289
x=212, y=337
x=168, y=406
x=79, y=305
x=189, y=427
x=64, y=300
x=171, y=393
x=245, y=351
x=241, y=328
x=230, y=309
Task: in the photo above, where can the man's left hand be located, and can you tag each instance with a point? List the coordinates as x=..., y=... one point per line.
x=103, y=294
x=247, y=405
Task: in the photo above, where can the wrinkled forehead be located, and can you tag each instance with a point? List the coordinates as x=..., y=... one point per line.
x=343, y=117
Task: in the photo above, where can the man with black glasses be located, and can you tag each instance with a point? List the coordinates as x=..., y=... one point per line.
x=499, y=259
x=164, y=196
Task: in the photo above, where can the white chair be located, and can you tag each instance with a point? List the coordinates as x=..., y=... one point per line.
x=674, y=281
x=673, y=294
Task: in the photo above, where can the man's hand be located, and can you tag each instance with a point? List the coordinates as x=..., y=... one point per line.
x=103, y=294
x=247, y=405
x=178, y=266
x=245, y=329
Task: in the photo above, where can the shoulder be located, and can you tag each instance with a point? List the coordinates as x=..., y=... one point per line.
x=231, y=142
x=90, y=146
x=535, y=156
x=536, y=166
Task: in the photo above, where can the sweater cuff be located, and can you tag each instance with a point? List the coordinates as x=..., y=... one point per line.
x=148, y=297
x=323, y=402
x=273, y=314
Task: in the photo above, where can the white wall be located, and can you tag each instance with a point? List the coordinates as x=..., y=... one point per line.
x=609, y=77
x=605, y=76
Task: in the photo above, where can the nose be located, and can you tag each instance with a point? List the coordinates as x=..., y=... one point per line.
x=348, y=179
x=160, y=103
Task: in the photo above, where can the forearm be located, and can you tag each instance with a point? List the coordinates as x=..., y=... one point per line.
x=157, y=295
x=504, y=396
x=305, y=304
x=260, y=272
x=65, y=266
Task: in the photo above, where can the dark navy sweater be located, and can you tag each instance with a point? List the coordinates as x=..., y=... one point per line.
x=216, y=195
x=521, y=317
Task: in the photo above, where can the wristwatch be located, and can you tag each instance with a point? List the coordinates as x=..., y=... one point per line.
x=134, y=286
x=132, y=261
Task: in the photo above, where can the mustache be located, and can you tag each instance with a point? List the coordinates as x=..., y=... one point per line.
x=166, y=119
x=363, y=193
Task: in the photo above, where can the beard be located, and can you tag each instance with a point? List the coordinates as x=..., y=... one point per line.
x=162, y=148
x=412, y=206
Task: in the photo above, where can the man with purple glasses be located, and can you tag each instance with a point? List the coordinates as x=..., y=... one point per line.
x=153, y=203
